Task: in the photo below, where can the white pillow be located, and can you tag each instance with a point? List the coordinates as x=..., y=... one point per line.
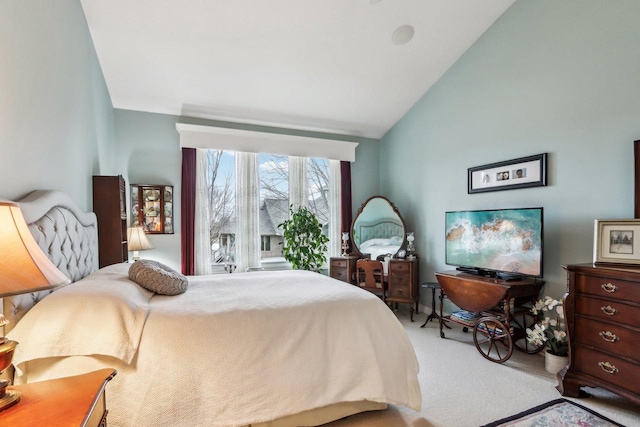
x=158, y=277
x=375, y=242
x=396, y=240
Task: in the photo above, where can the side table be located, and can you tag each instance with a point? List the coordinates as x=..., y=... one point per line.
x=434, y=315
x=71, y=401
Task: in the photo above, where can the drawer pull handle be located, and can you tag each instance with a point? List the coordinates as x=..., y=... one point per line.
x=608, y=367
x=609, y=336
x=608, y=310
x=609, y=287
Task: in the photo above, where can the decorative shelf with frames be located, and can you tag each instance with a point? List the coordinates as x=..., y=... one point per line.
x=152, y=208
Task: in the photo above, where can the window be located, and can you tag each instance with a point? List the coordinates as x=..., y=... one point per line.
x=220, y=201
x=318, y=189
x=274, y=188
x=273, y=171
x=265, y=243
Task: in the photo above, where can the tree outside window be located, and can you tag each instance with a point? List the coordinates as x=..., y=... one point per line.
x=274, y=201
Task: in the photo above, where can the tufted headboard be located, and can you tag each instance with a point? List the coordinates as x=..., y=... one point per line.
x=67, y=234
x=383, y=228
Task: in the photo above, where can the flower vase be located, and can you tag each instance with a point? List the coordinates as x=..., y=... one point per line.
x=553, y=363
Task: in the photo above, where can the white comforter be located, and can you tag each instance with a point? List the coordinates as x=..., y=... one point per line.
x=232, y=350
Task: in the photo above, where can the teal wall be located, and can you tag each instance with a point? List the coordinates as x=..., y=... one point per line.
x=561, y=77
x=56, y=117
x=365, y=173
x=147, y=151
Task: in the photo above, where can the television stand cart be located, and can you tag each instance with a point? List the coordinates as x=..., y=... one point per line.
x=504, y=306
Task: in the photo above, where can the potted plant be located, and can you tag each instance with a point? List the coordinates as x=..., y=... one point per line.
x=550, y=333
x=305, y=245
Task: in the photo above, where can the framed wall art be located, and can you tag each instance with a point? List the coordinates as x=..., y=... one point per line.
x=524, y=172
x=616, y=241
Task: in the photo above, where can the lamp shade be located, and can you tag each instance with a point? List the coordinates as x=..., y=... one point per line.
x=137, y=239
x=23, y=265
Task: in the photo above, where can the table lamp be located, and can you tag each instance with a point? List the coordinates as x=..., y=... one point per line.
x=345, y=243
x=411, y=249
x=23, y=268
x=137, y=241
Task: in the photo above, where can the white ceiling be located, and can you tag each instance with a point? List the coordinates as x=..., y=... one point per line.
x=325, y=65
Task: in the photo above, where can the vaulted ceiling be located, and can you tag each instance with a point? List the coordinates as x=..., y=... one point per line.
x=351, y=67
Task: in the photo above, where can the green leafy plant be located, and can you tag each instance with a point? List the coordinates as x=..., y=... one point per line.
x=305, y=245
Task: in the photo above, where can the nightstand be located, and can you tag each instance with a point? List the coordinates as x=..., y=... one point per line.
x=71, y=401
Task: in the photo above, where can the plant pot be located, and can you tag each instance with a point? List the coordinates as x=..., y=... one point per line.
x=554, y=364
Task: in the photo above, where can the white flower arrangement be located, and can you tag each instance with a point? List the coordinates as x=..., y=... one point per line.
x=549, y=330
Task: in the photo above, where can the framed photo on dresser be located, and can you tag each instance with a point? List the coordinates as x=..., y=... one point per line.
x=616, y=241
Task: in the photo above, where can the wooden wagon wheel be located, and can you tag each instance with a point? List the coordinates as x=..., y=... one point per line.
x=520, y=321
x=492, y=339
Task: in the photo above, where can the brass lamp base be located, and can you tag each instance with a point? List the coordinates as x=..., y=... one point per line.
x=8, y=398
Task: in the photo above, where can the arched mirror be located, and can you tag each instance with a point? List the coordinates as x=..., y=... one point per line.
x=377, y=229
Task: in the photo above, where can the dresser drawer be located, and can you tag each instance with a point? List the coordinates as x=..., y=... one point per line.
x=612, y=311
x=399, y=266
x=607, y=337
x=608, y=287
x=399, y=273
x=400, y=291
x=608, y=368
x=340, y=274
x=339, y=263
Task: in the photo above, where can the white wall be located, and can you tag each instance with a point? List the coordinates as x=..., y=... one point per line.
x=548, y=76
x=56, y=117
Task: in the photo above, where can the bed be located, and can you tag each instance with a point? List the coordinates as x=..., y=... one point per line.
x=378, y=247
x=381, y=237
x=276, y=348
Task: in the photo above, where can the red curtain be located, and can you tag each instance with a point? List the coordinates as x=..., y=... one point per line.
x=345, y=202
x=188, y=207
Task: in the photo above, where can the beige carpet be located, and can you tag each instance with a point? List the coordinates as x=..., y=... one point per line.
x=461, y=388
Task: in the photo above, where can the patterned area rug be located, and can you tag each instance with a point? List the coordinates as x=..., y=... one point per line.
x=559, y=412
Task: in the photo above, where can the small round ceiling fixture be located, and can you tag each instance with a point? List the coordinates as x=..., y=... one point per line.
x=403, y=34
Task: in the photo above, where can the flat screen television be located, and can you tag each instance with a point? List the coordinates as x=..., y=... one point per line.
x=504, y=243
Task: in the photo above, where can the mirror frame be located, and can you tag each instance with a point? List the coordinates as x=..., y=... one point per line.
x=355, y=249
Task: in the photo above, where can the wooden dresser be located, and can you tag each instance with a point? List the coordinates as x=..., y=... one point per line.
x=403, y=283
x=602, y=308
x=343, y=268
x=110, y=207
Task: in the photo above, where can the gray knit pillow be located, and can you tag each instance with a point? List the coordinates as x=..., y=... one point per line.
x=158, y=277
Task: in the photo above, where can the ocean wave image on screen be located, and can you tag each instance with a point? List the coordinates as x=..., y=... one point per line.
x=504, y=240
